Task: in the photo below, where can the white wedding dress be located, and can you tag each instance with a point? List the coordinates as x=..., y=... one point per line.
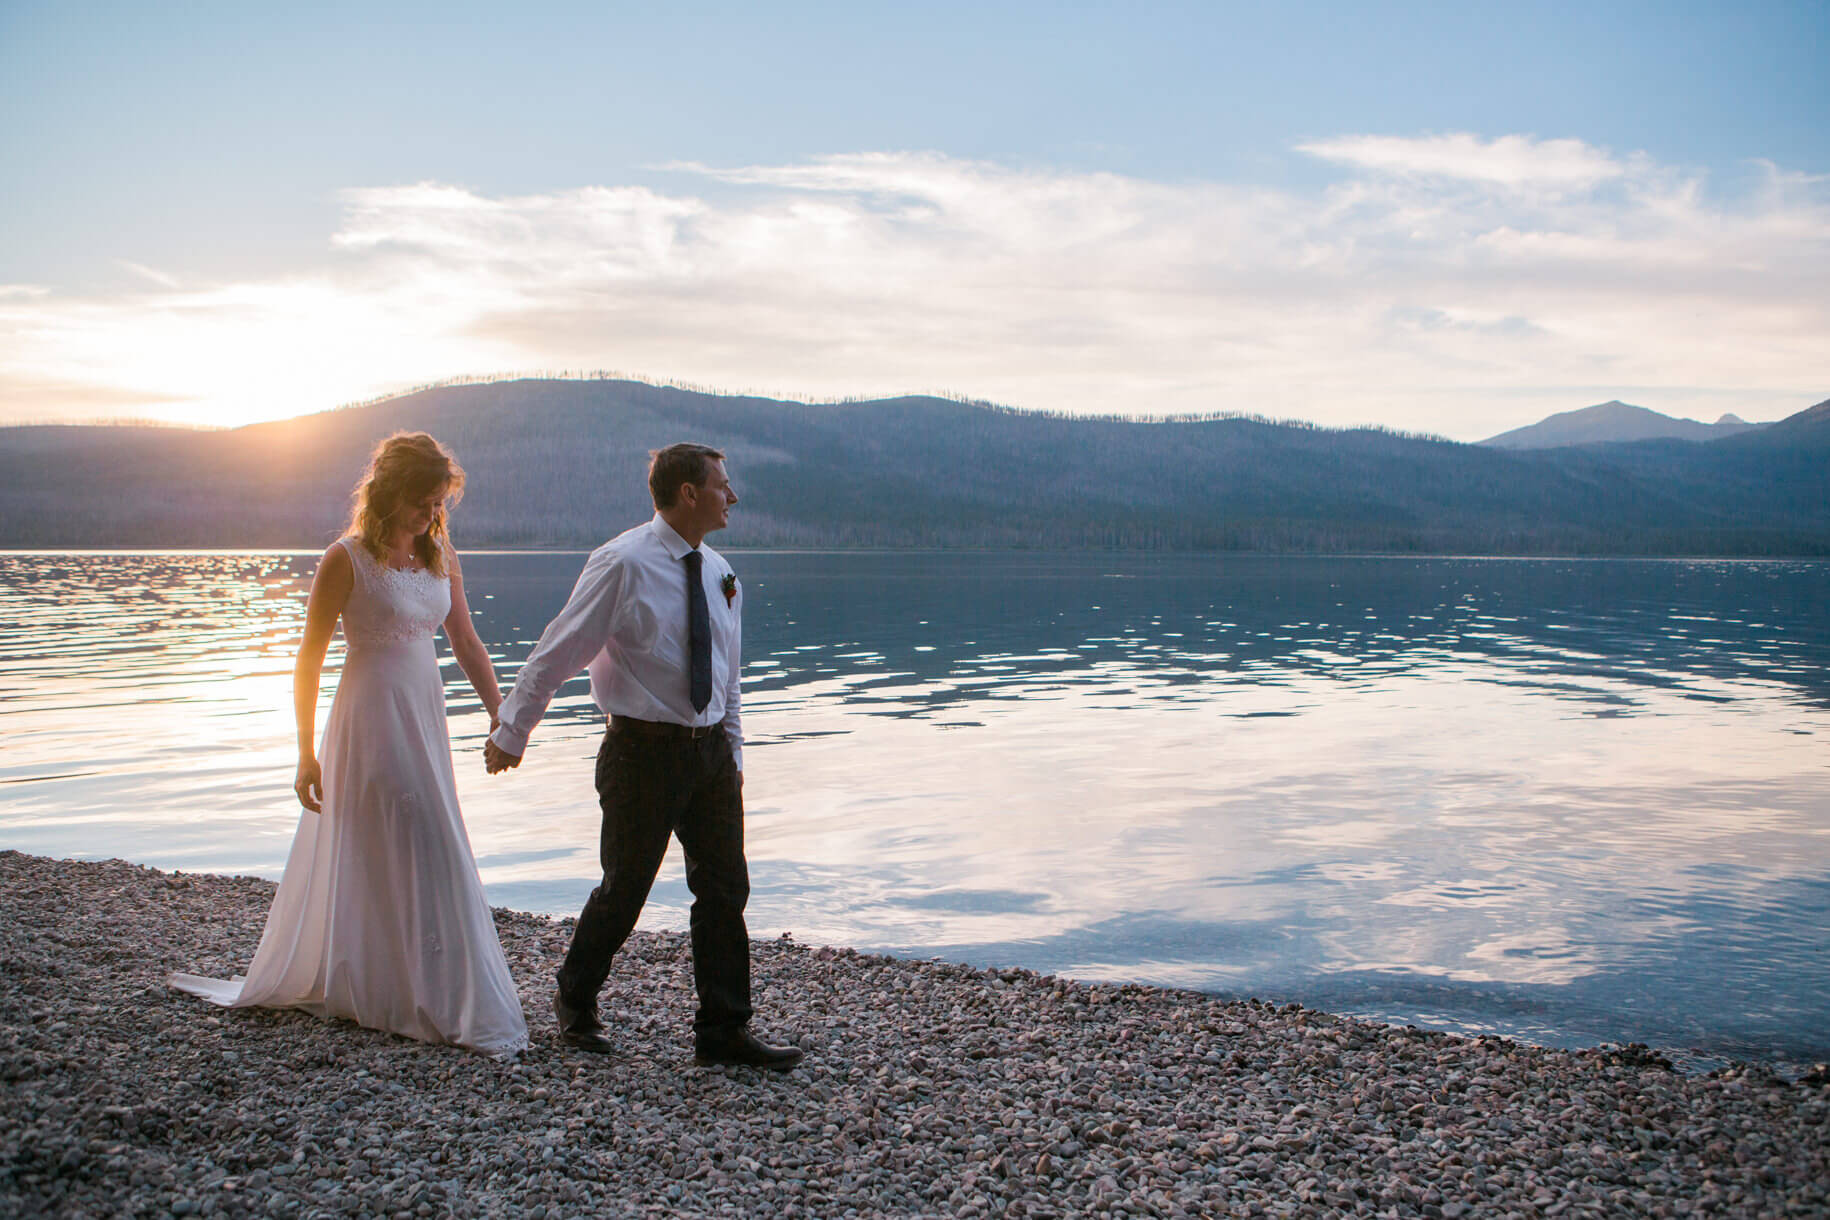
x=380, y=916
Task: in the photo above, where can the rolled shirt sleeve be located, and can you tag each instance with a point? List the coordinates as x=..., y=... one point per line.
x=570, y=641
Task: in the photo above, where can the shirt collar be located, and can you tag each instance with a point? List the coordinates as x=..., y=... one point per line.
x=676, y=546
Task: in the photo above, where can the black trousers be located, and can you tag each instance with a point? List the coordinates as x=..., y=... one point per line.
x=650, y=788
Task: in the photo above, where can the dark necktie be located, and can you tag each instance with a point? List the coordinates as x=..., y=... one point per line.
x=698, y=632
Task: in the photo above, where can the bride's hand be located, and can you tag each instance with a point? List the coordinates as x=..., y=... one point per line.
x=309, y=785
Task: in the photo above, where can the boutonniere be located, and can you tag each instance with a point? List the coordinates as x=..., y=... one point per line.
x=729, y=587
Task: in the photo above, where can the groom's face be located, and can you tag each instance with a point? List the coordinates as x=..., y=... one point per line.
x=712, y=500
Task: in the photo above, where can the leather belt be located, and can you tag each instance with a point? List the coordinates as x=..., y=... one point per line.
x=663, y=728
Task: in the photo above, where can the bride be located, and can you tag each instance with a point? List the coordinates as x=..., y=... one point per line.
x=380, y=915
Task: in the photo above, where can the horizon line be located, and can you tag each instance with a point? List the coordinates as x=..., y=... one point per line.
x=952, y=396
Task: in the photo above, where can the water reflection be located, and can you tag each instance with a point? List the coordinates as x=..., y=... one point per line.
x=1565, y=799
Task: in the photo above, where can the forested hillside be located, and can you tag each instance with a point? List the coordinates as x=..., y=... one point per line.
x=560, y=463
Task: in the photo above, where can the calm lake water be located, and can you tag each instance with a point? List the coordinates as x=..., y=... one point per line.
x=1570, y=801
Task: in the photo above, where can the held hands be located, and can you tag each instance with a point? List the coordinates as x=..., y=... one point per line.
x=495, y=758
x=309, y=785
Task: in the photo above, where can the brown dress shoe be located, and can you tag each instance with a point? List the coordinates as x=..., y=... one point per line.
x=580, y=1027
x=741, y=1048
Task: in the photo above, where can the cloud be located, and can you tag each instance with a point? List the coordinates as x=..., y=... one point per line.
x=1443, y=283
x=1507, y=161
x=150, y=273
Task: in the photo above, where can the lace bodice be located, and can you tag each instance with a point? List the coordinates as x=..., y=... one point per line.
x=391, y=606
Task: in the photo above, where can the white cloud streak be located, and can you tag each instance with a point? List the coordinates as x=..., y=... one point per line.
x=151, y=273
x=1513, y=161
x=1442, y=283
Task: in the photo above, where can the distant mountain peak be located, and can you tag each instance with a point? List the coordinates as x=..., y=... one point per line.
x=1610, y=422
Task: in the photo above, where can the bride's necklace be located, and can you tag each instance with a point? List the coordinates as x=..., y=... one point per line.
x=404, y=561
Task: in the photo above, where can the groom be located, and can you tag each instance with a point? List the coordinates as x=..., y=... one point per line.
x=656, y=618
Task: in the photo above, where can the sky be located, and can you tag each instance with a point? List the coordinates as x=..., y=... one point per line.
x=1443, y=218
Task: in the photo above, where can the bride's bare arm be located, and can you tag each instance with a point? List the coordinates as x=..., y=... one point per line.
x=471, y=656
x=330, y=590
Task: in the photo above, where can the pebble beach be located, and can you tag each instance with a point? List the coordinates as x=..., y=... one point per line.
x=929, y=1089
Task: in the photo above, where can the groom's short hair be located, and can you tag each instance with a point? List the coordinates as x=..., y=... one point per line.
x=677, y=464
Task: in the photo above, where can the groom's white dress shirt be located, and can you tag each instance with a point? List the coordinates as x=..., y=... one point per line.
x=626, y=623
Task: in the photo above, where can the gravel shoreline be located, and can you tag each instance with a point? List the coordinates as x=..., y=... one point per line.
x=929, y=1089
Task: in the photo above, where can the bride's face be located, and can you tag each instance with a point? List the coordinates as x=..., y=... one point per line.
x=416, y=516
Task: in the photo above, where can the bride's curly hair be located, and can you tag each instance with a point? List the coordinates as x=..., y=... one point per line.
x=405, y=469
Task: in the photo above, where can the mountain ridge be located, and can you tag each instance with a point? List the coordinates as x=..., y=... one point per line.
x=560, y=463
